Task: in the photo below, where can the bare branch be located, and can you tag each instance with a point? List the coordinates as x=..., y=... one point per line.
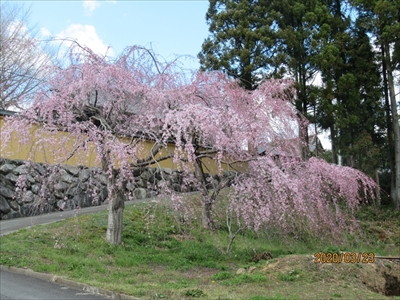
x=25, y=61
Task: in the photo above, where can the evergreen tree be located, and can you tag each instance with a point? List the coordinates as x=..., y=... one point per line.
x=242, y=40
x=302, y=26
x=331, y=63
x=350, y=99
x=360, y=112
x=381, y=18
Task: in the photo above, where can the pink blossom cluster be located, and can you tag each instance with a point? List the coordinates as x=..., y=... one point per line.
x=312, y=197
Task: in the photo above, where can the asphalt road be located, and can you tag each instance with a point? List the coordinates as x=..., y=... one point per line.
x=19, y=286
x=7, y=226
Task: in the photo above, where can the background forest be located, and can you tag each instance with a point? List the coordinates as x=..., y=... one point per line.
x=344, y=59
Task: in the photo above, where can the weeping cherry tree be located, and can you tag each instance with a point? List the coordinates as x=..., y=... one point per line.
x=207, y=116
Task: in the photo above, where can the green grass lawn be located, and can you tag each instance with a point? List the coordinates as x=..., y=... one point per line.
x=161, y=257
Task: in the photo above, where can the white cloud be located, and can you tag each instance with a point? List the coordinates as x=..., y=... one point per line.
x=45, y=32
x=17, y=26
x=90, y=6
x=86, y=35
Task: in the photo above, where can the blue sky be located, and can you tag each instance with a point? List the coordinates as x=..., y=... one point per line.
x=170, y=27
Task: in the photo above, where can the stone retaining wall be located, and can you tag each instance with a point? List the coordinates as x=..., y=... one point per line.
x=31, y=189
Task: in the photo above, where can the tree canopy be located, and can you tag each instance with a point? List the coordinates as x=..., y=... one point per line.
x=242, y=40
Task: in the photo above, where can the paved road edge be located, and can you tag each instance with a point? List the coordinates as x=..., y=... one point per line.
x=69, y=283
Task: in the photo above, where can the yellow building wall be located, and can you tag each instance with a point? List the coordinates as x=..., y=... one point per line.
x=47, y=151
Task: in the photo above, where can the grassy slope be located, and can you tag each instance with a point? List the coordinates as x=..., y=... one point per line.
x=167, y=259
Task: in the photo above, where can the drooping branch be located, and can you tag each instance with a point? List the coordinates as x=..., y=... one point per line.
x=150, y=159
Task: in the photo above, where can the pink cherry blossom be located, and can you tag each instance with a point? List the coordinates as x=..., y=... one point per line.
x=206, y=115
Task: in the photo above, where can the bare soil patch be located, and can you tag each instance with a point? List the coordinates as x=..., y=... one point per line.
x=382, y=276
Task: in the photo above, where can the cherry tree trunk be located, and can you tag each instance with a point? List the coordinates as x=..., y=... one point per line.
x=206, y=206
x=206, y=202
x=115, y=212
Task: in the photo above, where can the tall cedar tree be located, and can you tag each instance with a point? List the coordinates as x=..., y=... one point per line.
x=302, y=26
x=350, y=105
x=381, y=19
x=360, y=115
x=331, y=63
x=242, y=40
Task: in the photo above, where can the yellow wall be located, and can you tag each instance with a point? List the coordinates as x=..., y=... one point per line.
x=46, y=152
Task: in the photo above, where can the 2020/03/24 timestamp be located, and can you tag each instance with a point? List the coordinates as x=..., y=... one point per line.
x=344, y=257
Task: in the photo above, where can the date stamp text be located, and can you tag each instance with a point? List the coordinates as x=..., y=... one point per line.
x=344, y=257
